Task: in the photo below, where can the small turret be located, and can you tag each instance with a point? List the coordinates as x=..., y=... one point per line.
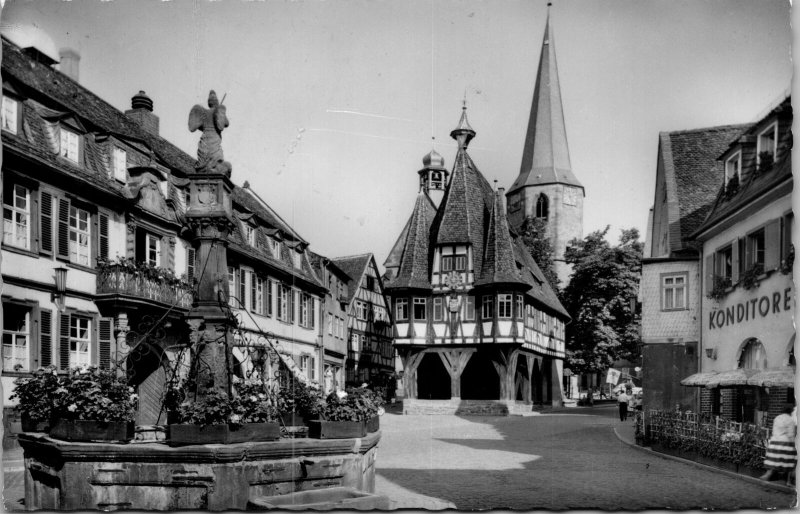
x=433, y=176
x=463, y=133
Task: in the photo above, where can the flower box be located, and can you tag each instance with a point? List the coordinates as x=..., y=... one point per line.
x=322, y=429
x=185, y=434
x=30, y=425
x=373, y=424
x=85, y=430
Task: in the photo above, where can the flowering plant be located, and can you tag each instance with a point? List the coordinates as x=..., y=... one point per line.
x=252, y=403
x=94, y=394
x=145, y=270
x=36, y=394
x=303, y=399
x=353, y=404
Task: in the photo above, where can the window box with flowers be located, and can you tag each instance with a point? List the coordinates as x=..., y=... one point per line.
x=93, y=404
x=721, y=287
x=250, y=415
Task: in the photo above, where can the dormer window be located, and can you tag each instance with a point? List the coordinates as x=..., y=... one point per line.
x=69, y=145
x=298, y=259
x=119, y=164
x=733, y=167
x=768, y=142
x=10, y=113
x=250, y=234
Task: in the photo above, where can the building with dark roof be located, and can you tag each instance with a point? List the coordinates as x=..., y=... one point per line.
x=688, y=177
x=475, y=320
x=97, y=263
x=370, y=356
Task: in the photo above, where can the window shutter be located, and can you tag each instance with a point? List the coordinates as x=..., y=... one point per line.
x=735, y=260
x=242, y=288
x=63, y=334
x=63, y=229
x=253, y=292
x=105, y=336
x=772, y=245
x=102, y=234
x=190, y=263
x=266, y=298
x=312, y=311
x=45, y=337
x=46, y=223
x=291, y=305
x=709, y=272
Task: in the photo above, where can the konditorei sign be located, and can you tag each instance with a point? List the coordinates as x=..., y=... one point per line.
x=754, y=308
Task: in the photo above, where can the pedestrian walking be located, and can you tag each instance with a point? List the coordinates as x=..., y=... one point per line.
x=623, y=399
x=590, y=397
x=781, y=453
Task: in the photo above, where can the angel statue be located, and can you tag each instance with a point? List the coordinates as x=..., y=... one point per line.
x=212, y=122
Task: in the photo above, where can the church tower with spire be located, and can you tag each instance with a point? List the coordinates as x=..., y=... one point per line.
x=546, y=187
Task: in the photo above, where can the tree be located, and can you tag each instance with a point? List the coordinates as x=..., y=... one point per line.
x=601, y=299
x=537, y=241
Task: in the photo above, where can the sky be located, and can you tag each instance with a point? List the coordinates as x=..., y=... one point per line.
x=332, y=104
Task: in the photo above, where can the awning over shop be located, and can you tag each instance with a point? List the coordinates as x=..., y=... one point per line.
x=732, y=378
x=773, y=377
x=699, y=379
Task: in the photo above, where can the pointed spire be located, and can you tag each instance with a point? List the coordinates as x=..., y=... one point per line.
x=545, y=156
x=463, y=133
x=413, y=270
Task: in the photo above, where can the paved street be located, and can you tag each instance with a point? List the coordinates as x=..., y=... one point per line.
x=566, y=460
x=552, y=461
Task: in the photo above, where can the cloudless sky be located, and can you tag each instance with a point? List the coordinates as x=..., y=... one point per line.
x=333, y=104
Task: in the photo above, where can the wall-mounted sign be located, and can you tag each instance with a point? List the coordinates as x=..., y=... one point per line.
x=751, y=309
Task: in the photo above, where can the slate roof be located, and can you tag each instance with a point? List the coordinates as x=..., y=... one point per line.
x=545, y=154
x=499, y=264
x=414, y=270
x=693, y=176
x=354, y=266
x=755, y=184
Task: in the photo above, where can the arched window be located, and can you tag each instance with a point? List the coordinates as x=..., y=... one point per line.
x=753, y=355
x=542, y=207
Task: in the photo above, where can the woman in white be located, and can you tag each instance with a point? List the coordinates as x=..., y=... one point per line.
x=781, y=453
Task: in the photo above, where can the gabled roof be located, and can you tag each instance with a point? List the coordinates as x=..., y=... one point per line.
x=414, y=269
x=499, y=265
x=692, y=175
x=545, y=155
x=395, y=256
x=755, y=184
x=250, y=200
x=354, y=266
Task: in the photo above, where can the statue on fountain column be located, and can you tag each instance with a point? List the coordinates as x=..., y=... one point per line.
x=212, y=122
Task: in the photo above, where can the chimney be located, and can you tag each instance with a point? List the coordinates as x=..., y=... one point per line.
x=141, y=112
x=501, y=192
x=70, y=63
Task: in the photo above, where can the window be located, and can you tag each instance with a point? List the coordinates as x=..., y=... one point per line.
x=469, y=308
x=298, y=260
x=269, y=297
x=10, y=113
x=401, y=309
x=723, y=262
x=361, y=310
x=80, y=341
x=755, y=249
x=786, y=239
x=447, y=263
x=354, y=343
x=673, y=291
x=542, y=322
x=520, y=312
x=79, y=234
x=250, y=234
x=733, y=167
x=152, y=249
x=370, y=283
x=305, y=361
x=438, y=310
x=16, y=216
x=306, y=310
x=119, y=164
x=16, y=337
x=460, y=262
x=487, y=307
x=68, y=145
x=542, y=207
x=285, y=304
x=753, y=356
x=768, y=142
x=420, y=309
x=504, y=304
x=257, y=294
x=329, y=322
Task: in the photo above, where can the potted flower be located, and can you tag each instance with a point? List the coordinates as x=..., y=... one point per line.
x=36, y=395
x=373, y=403
x=346, y=413
x=93, y=404
x=298, y=402
x=217, y=418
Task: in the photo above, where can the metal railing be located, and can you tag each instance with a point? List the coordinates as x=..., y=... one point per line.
x=118, y=279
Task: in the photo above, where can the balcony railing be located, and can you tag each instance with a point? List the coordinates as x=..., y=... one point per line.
x=120, y=279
